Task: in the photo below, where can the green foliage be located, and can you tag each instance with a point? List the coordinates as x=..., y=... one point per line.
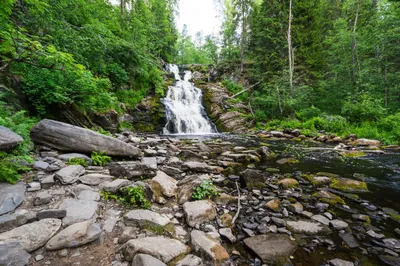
x=308, y=113
x=366, y=108
x=206, y=190
x=78, y=161
x=129, y=196
x=100, y=159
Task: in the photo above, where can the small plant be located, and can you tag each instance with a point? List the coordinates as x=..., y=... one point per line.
x=78, y=161
x=206, y=190
x=129, y=196
x=100, y=159
x=10, y=168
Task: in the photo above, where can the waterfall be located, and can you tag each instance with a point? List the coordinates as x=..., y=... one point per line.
x=183, y=106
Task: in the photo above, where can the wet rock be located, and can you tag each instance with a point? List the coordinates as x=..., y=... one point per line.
x=208, y=248
x=392, y=243
x=143, y=217
x=163, y=185
x=338, y=224
x=9, y=139
x=187, y=185
x=361, y=217
x=190, y=260
x=366, y=142
x=164, y=249
x=288, y=183
x=266, y=153
x=34, y=235
x=227, y=233
x=42, y=197
x=321, y=219
x=66, y=137
x=340, y=262
x=372, y=234
x=198, y=212
x=132, y=170
x=253, y=178
x=70, y=174
x=328, y=197
x=320, y=180
x=296, y=207
x=12, y=254
x=287, y=161
x=146, y=260
x=95, y=179
x=272, y=248
x=200, y=167
x=78, y=210
x=69, y=156
x=11, y=196
x=390, y=260
x=274, y=205
x=349, y=239
x=349, y=185
x=75, y=235
x=44, y=214
x=305, y=227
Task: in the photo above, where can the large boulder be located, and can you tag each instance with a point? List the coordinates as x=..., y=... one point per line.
x=12, y=254
x=78, y=210
x=11, y=196
x=200, y=211
x=132, y=170
x=163, y=185
x=9, y=139
x=66, y=137
x=208, y=248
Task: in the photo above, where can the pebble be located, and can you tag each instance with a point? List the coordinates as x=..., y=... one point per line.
x=39, y=257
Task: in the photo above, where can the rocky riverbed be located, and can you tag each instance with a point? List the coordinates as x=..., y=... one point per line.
x=280, y=202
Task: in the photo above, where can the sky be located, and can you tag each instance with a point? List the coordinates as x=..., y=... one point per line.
x=198, y=15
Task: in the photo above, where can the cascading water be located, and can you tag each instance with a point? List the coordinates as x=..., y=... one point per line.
x=183, y=106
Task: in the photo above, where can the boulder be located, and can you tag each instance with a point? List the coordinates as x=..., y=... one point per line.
x=34, y=235
x=349, y=185
x=132, y=170
x=95, y=179
x=187, y=185
x=78, y=210
x=253, y=178
x=146, y=260
x=338, y=224
x=190, y=260
x=340, y=262
x=200, y=211
x=328, y=197
x=208, y=248
x=367, y=142
x=274, y=205
x=163, y=185
x=164, y=249
x=9, y=139
x=143, y=217
x=70, y=174
x=200, y=167
x=75, y=235
x=66, y=137
x=12, y=254
x=11, y=196
x=288, y=183
x=305, y=227
x=272, y=248
x=67, y=156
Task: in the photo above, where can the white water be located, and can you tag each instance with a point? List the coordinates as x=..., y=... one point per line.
x=184, y=108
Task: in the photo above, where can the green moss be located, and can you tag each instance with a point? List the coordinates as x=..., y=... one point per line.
x=167, y=230
x=273, y=170
x=349, y=185
x=352, y=154
x=287, y=161
x=327, y=197
x=328, y=174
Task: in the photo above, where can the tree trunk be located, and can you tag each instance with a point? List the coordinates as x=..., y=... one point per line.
x=242, y=41
x=354, y=56
x=290, y=48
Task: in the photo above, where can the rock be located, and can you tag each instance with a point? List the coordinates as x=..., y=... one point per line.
x=227, y=232
x=47, y=181
x=390, y=260
x=366, y=142
x=321, y=219
x=44, y=214
x=198, y=212
x=224, y=199
x=361, y=217
x=328, y=197
x=287, y=161
x=115, y=185
x=75, y=235
x=66, y=137
x=67, y=156
x=305, y=227
x=319, y=180
x=9, y=139
x=296, y=207
x=349, y=185
x=39, y=165
x=34, y=235
x=349, y=239
x=143, y=217
x=225, y=220
x=18, y=218
x=146, y=260
x=132, y=170
x=187, y=185
x=340, y=262
x=190, y=260
x=151, y=162
x=372, y=234
x=392, y=243
x=33, y=186
x=12, y=254
x=95, y=179
x=162, y=184
x=164, y=249
x=89, y=195
x=111, y=221
x=70, y=174
x=42, y=197
x=272, y=248
x=338, y=224
x=208, y=248
x=253, y=178
x=274, y=205
x=200, y=167
x=288, y=183
x=11, y=196
x=39, y=257
x=78, y=210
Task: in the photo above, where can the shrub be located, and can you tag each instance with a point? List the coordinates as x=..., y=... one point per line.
x=11, y=166
x=205, y=190
x=78, y=161
x=129, y=196
x=363, y=108
x=335, y=123
x=308, y=113
x=100, y=159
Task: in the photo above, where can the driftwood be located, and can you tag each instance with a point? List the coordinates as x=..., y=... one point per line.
x=239, y=207
x=237, y=94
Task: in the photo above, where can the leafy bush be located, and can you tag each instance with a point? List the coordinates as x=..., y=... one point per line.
x=11, y=167
x=335, y=123
x=315, y=123
x=78, y=161
x=308, y=113
x=205, y=190
x=129, y=196
x=363, y=108
x=100, y=159
x=234, y=88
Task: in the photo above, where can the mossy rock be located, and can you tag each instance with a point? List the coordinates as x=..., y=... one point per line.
x=274, y=205
x=287, y=161
x=349, y=185
x=353, y=154
x=328, y=197
x=288, y=183
x=273, y=170
x=327, y=174
x=318, y=180
x=225, y=220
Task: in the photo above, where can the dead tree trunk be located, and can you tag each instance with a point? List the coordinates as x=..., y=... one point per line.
x=290, y=48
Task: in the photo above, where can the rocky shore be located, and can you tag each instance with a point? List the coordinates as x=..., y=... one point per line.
x=64, y=214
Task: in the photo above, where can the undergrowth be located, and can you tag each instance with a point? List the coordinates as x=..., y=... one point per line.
x=78, y=161
x=129, y=197
x=206, y=190
x=100, y=159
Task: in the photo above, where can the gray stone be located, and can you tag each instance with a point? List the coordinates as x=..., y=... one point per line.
x=254, y=178
x=372, y=234
x=151, y=162
x=89, y=195
x=70, y=174
x=390, y=260
x=33, y=186
x=200, y=211
x=190, y=260
x=142, y=217
x=111, y=220
x=9, y=139
x=67, y=156
x=208, y=248
x=272, y=248
x=18, y=218
x=43, y=197
x=305, y=227
x=127, y=234
x=75, y=235
x=227, y=232
x=115, y=185
x=34, y=235
x=338, y=224
x=392, y=243
x=81, y=187
x=340, y=262
x=12, y=254
x=164, y=249
x=200, y=167
x=146, y=260
x=11, y=196
x=44, y=214
x=321, y=219
x=66, y=137
x=39, y=165
x=47, y=181
x=187, y=185
x=349, y=239
x=132, y=170
x=162, y=184
x=78, y=210
x=95, y=179
x=39, y=257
